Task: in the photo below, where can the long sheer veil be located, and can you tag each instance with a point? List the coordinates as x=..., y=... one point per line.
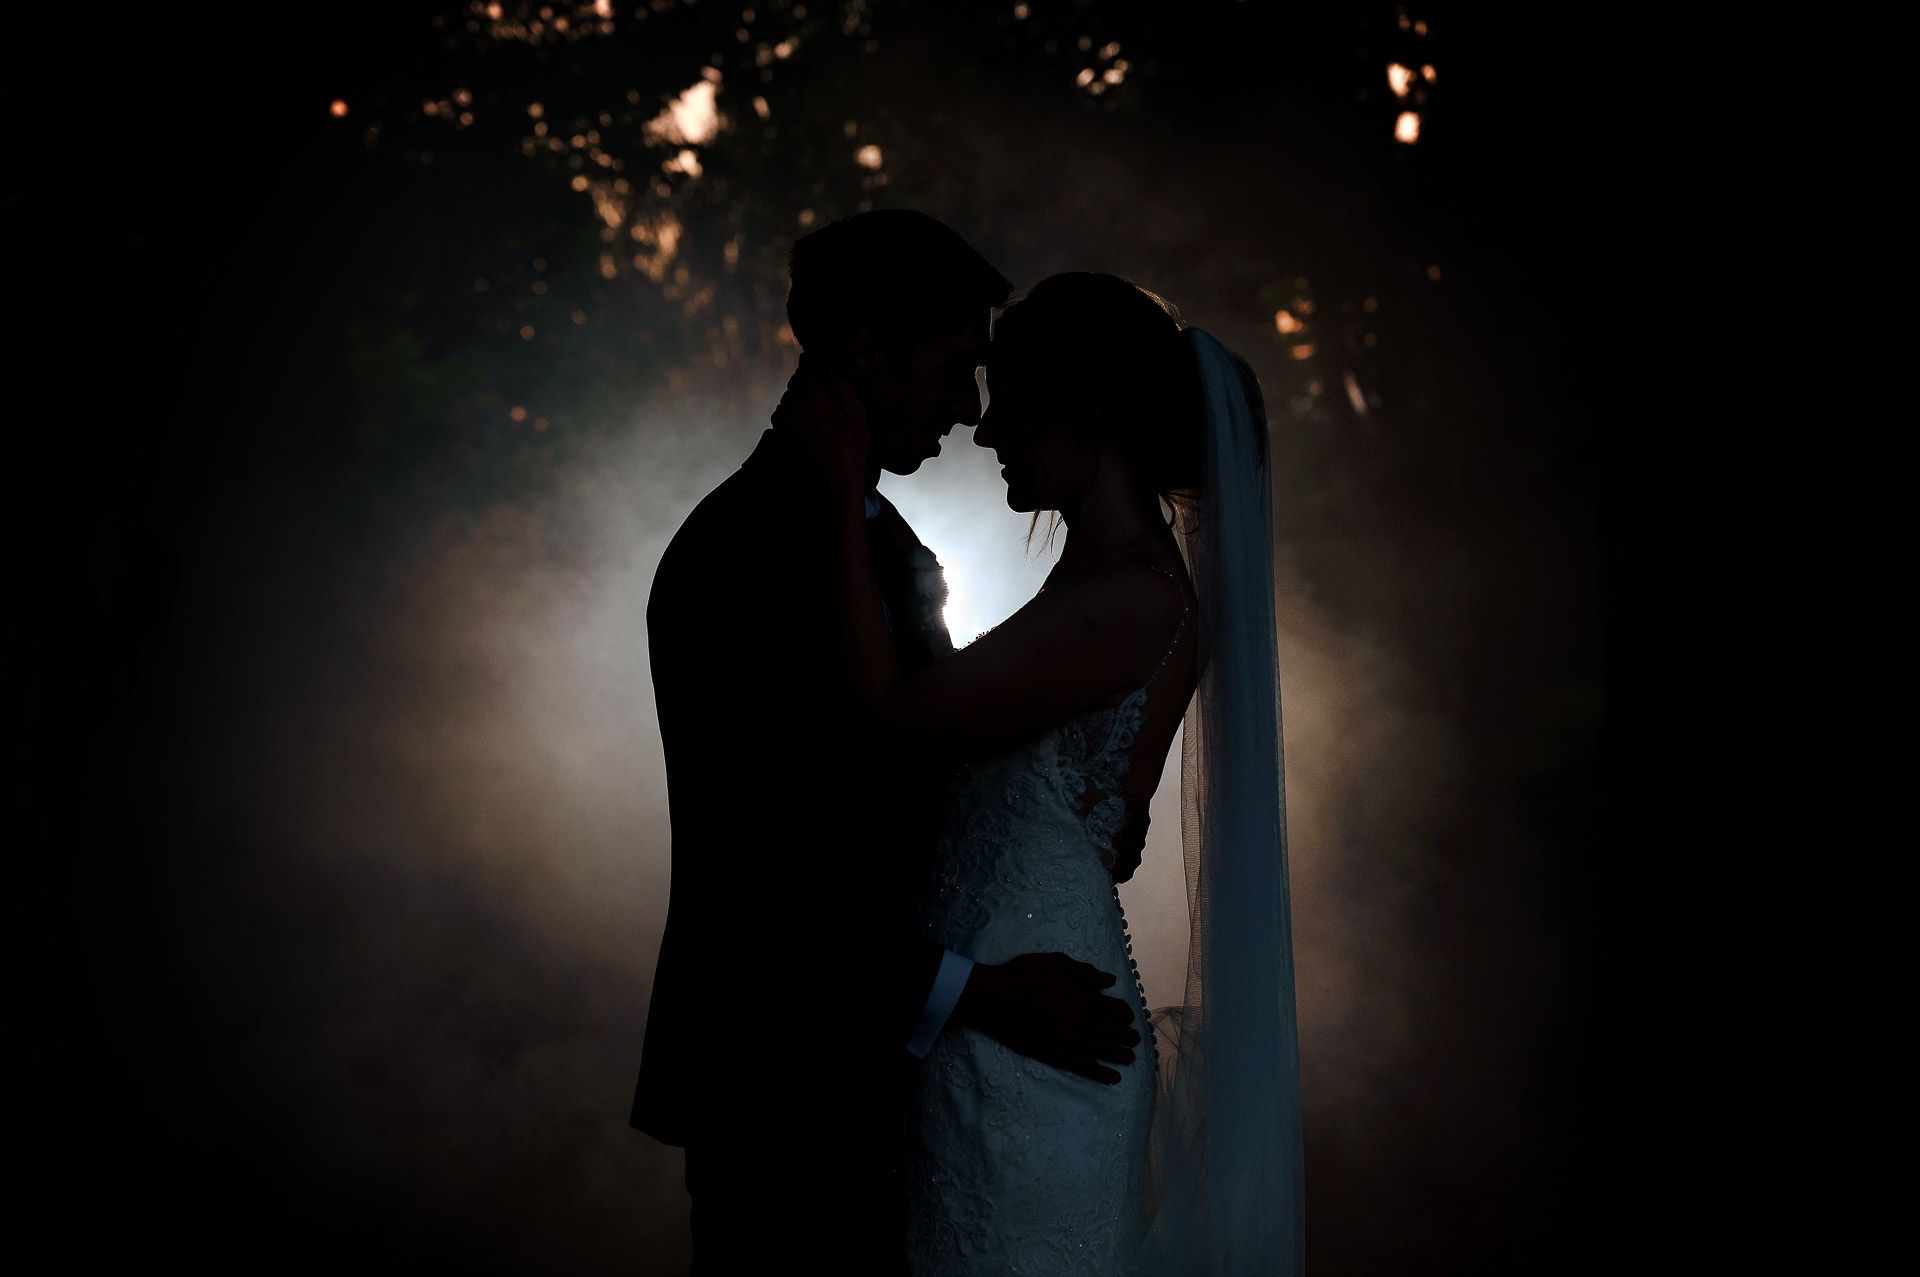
x=1225, y=1183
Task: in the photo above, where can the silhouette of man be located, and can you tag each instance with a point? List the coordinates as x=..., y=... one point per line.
x=792, y=997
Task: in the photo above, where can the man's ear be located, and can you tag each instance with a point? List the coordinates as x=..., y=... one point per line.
x=865, y=355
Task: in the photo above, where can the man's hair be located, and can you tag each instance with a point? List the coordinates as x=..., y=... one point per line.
x=903, y=274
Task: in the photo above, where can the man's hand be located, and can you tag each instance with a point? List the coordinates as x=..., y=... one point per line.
x=1049, y=1007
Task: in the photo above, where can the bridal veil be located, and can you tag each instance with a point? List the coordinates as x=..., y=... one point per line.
x=1226, y=1196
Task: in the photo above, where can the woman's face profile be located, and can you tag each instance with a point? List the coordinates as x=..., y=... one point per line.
x=1043, y=462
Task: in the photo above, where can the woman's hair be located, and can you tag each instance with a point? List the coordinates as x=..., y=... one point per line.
x=1108, y=357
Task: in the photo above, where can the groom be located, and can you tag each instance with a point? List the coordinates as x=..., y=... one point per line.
x=792, y=997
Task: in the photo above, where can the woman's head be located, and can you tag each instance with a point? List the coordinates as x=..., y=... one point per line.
x=1084, y=371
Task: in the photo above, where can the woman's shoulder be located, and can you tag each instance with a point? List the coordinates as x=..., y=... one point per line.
x=1150, y=585
x=1130, y=608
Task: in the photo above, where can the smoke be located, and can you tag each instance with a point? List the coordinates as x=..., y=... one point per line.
x=424, y=854
x=431, y=841
x=413, y=787
x=462, y=812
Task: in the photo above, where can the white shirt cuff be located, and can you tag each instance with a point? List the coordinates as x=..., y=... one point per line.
x=941, y=999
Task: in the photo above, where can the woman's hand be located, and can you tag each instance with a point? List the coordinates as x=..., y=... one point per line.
x=825, y=413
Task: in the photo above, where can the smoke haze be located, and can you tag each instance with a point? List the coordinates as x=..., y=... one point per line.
x=360, y=855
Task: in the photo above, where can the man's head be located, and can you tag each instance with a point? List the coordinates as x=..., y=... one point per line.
x=899, y=305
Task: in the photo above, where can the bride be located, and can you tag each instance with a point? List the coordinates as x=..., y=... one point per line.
x=1149, y=441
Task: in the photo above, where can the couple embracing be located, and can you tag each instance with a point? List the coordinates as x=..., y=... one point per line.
x=895, y=1023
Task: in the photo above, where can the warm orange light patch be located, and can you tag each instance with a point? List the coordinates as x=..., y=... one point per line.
x=692, y=119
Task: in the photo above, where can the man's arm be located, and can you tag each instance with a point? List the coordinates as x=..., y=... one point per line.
x=1046, y=1006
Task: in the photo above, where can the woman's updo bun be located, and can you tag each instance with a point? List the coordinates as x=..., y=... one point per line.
x=1108, y=355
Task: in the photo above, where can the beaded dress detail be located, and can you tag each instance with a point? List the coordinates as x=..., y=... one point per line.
x=1017, y=1166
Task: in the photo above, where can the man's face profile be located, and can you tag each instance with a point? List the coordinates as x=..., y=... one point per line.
x=916, y=395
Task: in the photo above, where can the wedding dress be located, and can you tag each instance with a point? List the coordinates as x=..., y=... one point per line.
x=1017, y=1166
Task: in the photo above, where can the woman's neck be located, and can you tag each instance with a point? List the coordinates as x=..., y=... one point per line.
x=1112, y=516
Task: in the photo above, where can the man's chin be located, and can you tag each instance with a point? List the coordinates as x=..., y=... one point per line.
x=907, y=465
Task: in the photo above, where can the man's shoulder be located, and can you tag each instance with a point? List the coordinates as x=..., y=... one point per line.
x=751, y=498
x=728, y=504
x=757, y=514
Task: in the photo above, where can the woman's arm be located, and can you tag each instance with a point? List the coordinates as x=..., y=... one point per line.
x=824, y=412
x=1065, y=652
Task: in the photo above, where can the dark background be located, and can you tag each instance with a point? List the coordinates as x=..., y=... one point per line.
x=254, y=375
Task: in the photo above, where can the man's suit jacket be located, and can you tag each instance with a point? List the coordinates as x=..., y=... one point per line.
x=789, y=976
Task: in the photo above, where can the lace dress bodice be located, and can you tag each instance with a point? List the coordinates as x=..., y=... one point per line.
x=1017, y=1166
